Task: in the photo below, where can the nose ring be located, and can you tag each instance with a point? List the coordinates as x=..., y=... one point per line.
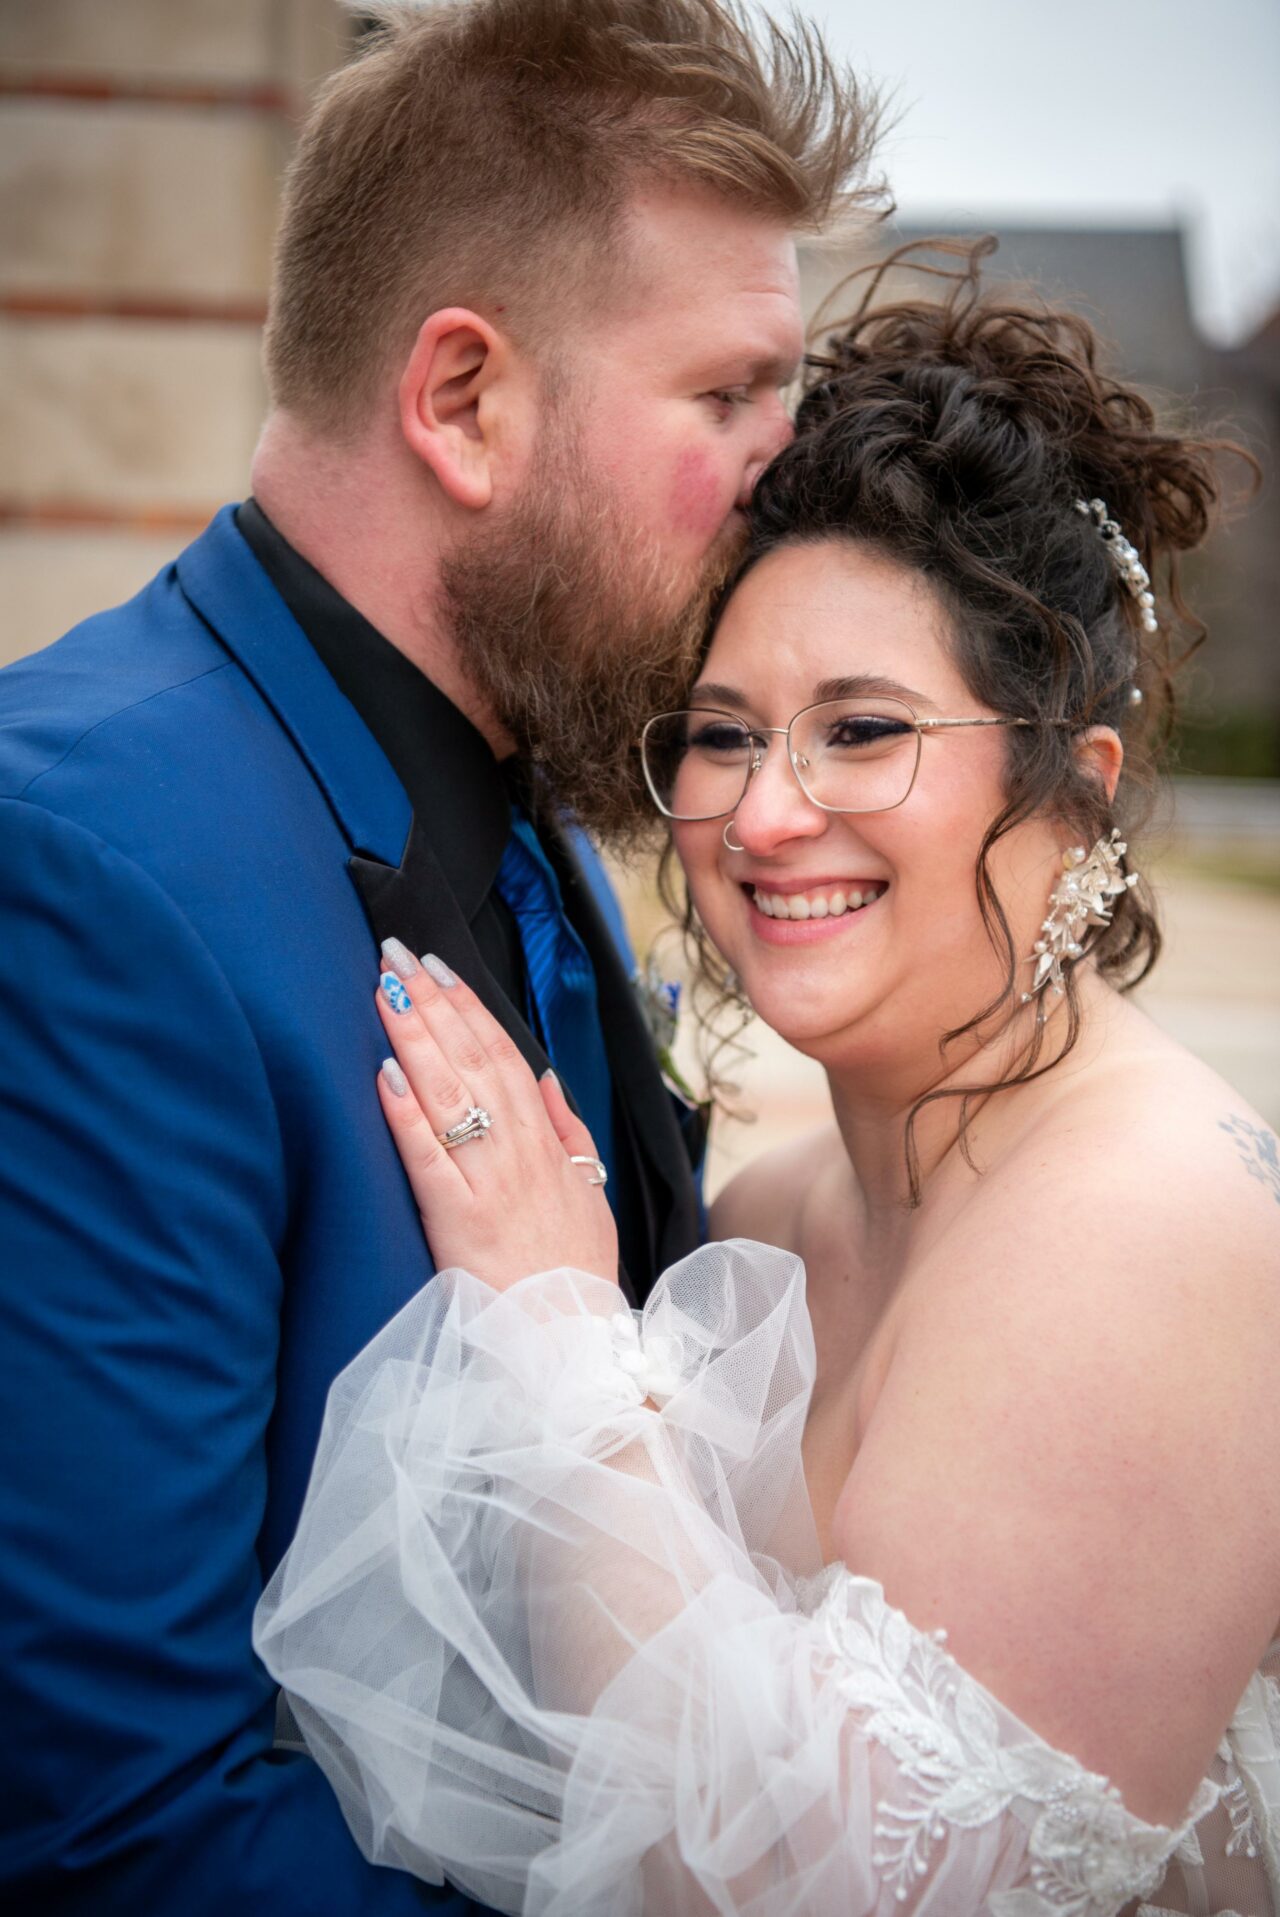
x=729, y=844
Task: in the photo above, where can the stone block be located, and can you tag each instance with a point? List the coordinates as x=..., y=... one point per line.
x=154, y=43
x=155, y=40
x=137, y=200
x=128, y=415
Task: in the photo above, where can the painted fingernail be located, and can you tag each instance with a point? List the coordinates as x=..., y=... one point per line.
x=437, y=969
x=396, y=1080
x=398, y=958
x=549, y=1074
x=394, y=993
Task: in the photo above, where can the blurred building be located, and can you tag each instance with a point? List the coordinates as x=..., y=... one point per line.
x=1132, y=284
x=141, y=148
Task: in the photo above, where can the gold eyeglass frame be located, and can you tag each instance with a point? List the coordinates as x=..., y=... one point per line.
x=759, y=736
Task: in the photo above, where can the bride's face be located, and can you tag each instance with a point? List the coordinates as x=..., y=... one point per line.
x=880, y=981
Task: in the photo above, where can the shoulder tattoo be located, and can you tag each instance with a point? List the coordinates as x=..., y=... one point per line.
x=1259, y=1153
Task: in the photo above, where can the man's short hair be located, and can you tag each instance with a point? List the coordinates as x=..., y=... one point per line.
x=483, y=154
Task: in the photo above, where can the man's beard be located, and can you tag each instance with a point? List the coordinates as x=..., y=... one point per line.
x=573, y=632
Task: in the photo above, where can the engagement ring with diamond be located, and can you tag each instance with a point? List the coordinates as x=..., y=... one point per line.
x=474, y=1125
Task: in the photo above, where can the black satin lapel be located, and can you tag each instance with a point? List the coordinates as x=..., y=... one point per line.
x=670, y=1206
x=412, y=902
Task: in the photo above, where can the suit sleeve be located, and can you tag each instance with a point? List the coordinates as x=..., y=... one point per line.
x=142, y=1207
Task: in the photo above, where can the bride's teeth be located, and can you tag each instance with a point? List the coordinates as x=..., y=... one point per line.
x=833, y=905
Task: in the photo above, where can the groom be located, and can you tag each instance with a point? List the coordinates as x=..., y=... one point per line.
x=534, y=298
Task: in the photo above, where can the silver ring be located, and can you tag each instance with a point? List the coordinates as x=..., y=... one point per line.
x=729, y=844
x=601, y=1175
x=474, y=1125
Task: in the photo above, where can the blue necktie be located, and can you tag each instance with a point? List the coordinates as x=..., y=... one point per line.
x=562, y=1007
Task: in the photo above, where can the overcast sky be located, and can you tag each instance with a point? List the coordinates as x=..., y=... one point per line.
x=1156, y=111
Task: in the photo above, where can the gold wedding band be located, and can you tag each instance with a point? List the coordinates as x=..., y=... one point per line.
x=601, y=1175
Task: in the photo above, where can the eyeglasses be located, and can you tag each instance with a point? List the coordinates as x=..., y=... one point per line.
x=848, y=755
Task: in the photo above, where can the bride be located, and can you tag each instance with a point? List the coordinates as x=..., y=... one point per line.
x=930, y=1561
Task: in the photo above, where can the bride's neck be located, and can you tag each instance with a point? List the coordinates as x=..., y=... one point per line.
x=889, y=1135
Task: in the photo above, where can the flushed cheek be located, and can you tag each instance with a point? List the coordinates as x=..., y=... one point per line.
x=698, y=501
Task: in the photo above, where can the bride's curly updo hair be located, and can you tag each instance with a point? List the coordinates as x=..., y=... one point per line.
x=953, y=437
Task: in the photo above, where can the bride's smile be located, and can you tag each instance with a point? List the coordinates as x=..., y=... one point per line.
x=808, y=901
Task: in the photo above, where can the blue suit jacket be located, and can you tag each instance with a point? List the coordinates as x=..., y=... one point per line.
x=201, y=1221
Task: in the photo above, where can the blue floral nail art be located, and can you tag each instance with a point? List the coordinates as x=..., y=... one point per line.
x=394, y=993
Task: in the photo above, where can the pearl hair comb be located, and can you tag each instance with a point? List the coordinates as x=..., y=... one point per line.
x=1124, y=557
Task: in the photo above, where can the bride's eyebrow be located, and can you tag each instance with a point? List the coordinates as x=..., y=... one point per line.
x=862, y=685
x=870, y=685
x=719, y=696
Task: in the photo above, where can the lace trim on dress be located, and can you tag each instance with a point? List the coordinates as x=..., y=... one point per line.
x=1088, y=1854
x=1235, y=1801
x=1251, y=1743
x=1161, y=1910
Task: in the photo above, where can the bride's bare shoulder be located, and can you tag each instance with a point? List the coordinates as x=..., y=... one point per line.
x=767, y=1199
x=1167, y=1127
x=1149, y=1165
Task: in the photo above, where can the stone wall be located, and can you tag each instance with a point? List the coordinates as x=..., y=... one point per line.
x=141, y=148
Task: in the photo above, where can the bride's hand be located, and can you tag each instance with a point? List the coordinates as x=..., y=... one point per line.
x=508, y=1202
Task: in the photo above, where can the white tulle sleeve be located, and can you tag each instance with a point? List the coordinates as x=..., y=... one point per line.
x=559, y=1646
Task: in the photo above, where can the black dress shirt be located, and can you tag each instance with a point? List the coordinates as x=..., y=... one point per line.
x=461, y=799
x=431, y=747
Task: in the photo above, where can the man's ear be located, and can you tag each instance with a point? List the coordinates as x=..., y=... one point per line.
x=447, y=411
x=1100, y=755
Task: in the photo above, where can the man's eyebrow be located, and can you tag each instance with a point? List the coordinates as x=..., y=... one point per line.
x=778, y=368
x=750, y=369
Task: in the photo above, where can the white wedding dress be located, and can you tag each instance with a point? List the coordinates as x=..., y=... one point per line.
x=569, y=1653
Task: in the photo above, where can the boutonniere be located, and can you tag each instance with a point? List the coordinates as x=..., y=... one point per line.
x=660, y=1008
